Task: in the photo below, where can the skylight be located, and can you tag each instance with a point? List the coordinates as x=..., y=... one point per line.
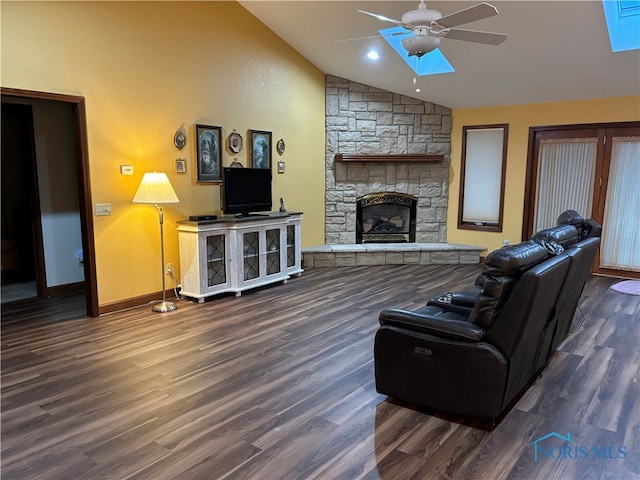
x=623, y=22
x=431, y=63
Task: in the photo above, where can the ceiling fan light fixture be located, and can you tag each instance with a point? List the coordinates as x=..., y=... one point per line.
x=423, y=30
x=418, y=45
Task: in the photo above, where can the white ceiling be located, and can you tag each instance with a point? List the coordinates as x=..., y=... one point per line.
x=555, y=50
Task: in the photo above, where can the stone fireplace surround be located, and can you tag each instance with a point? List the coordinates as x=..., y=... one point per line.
x=364, y=120
x=369, y=122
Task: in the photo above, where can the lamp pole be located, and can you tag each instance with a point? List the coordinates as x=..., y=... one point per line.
x=163, y=306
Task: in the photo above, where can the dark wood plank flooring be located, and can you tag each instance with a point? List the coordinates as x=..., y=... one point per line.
x=278, y=384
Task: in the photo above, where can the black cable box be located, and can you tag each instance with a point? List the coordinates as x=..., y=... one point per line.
x=200, y=218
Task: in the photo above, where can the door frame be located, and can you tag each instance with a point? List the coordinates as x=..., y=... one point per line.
x=597, y=209
x=84, y=184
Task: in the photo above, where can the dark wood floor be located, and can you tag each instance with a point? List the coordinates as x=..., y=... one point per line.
x=278, y=384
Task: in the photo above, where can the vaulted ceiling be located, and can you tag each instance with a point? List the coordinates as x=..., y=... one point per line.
x=555, y=50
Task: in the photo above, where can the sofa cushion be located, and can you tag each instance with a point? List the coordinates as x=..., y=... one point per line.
x=500, y=271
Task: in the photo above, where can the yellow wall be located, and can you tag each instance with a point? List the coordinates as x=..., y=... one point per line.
x=520, y=118
x=147, y=69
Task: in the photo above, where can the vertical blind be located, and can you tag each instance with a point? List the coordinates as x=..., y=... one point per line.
x=563, y=162
x=621, y=224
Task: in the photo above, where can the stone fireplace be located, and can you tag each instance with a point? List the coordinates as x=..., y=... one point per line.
x=379, y=141
x=386, y=217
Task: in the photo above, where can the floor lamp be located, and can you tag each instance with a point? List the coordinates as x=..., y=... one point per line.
x=155, y=188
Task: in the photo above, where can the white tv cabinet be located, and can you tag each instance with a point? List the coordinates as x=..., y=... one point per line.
x=233, y=254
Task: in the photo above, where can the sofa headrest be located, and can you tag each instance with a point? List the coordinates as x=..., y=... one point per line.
x=592, y=228
x=571, y=217
x=586, y=227
x=565, y=235
x=500, y=272
x=513, y=260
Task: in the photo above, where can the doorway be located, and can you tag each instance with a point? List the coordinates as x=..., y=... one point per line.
x=21, y=237
x=591, y=169
x=40, y=203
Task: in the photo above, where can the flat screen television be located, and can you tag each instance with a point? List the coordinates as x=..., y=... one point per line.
x=245, y=190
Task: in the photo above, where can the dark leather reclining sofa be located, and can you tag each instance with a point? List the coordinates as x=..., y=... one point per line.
x=472, y=352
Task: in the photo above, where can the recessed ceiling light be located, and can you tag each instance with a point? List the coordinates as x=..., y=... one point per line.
x=373, y=55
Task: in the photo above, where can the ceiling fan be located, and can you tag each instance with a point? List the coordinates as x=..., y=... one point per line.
x=429, y=27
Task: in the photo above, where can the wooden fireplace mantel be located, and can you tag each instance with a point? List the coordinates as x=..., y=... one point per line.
x=410, y=157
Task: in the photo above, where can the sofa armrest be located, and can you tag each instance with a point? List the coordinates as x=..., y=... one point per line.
x=433, y=321
x=461, y=302
x=467, y=297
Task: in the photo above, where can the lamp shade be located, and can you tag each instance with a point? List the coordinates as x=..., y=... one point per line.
x=155, y=188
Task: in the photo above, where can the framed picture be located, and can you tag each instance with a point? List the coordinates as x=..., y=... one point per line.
x=208, y=153
x=235, y=142
x=179, y=139
x=181, y=165
x=260, y=149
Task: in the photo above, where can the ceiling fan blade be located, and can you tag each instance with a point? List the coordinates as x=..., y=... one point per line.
x=471, y=14
x=372, y=36
x=356, y=38
x=489, y=38
x=381, y=17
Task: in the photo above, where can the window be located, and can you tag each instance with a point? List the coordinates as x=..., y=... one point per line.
x=484, y=160
x=564, y=163
x=622, y=17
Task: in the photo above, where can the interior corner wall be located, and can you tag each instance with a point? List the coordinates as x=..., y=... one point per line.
x=147, y=69
x=520, y=118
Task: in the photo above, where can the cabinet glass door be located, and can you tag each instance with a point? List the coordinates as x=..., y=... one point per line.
x=273, y=251
x=216, y=271
x=291, y=245
x=251, y=255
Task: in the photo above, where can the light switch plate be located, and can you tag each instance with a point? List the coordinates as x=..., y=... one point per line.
x=102, y=209
x=126, y=169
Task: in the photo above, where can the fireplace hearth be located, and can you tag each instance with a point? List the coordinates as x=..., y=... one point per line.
x=386, y=217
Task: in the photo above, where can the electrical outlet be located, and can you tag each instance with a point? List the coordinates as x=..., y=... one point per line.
x=169, y=268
